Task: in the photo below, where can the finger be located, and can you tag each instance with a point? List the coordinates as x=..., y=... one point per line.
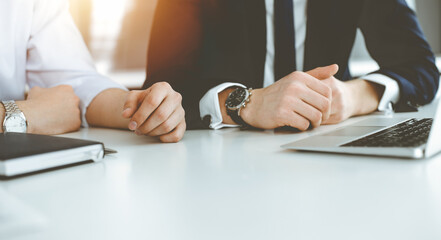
x=322, y=73
x=176, y=135
x=293, y=119
x=170, y=124
x=150, y=103
x=161, y=114
x=318, y=101
x=133, y=99
x=318, y=86
x=309, y=112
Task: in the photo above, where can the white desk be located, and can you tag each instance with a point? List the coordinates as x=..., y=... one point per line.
x=232, y=185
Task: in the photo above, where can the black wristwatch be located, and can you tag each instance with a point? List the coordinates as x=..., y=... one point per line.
x=235, y=102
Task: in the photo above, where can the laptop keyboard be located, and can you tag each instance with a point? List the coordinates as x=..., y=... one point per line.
x=412, y=133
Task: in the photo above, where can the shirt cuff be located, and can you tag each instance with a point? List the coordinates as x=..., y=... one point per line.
x=391, y=93
x=209, y=105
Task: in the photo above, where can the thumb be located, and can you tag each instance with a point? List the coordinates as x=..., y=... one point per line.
x=132, y=101
x=322, y=73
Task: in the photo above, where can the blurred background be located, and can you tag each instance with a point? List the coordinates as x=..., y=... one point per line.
x=117, y=34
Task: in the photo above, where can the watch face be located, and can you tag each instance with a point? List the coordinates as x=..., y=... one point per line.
x=15, y=123
x=236, y=98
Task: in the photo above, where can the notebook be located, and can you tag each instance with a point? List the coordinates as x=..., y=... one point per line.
x=22, y=153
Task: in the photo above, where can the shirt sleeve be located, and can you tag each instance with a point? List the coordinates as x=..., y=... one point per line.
x=391, y=93
x=57, y=54
x=209, y=105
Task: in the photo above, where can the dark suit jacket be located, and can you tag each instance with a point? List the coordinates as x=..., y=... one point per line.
x=198, y=44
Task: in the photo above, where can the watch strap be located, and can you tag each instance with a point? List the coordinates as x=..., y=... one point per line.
x=235, y=114
x=11, y=107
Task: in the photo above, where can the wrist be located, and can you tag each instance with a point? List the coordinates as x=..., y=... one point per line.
x=26, y=109
x=365, y=95
x=222, y=99
x=248, y=112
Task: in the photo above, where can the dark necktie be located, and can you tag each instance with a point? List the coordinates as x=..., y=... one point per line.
x=284, y=39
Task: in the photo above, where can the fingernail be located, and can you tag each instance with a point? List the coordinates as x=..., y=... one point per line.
x=137, y=132
x=133, y=125
x=126, y=111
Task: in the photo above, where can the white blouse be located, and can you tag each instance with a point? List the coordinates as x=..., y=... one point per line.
x=41, y=46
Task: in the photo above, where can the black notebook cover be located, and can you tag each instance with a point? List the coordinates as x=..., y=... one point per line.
x=16, y=145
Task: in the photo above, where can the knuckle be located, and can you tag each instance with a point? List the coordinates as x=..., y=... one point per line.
x=167, y=127
x=178, y=97
x=163, y=85
x=161, y=115
x=328, y=91
x=296, y=75
x=317, y=117
x=152, y=101
x=326, y=105
x=294, y=87
x=338, y=92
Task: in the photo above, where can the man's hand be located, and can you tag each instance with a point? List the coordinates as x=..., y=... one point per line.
x=351, y=98
x=51, y=110
x=156, y=111
x=298, y=100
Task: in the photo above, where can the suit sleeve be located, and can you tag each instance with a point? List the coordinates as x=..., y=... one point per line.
x=395, y=40
x=174, y=50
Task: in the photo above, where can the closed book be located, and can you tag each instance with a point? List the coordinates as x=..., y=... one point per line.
x=22, y=153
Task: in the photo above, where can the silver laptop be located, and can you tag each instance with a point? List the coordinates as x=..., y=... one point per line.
x=381, y=136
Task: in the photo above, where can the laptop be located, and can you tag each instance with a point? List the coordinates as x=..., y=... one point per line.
x=379, y=136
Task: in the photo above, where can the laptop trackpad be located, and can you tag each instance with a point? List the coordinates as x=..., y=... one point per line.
x=353, y=131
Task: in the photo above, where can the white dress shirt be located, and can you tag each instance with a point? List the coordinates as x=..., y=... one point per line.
x=209, y=104
x=41, y=46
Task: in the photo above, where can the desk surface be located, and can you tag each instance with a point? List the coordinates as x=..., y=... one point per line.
x=229, y=184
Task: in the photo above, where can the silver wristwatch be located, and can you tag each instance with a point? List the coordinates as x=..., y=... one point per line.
x=15, y=120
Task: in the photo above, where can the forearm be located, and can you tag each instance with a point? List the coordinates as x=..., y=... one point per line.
x=106, y=109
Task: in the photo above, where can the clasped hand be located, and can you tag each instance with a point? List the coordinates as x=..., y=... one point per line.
x=301, y=100
x=156, y=111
